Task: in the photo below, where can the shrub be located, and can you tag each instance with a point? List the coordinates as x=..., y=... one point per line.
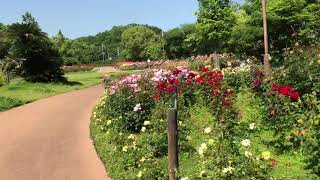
x=7, y=103
x=133, y=117
x=301, y=70
x=312, y=122
x=129, y=103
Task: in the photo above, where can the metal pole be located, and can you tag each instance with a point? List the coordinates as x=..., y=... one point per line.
x=266, y=45
x=172, y=144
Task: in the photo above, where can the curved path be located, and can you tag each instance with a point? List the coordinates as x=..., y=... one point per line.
x=49, y=139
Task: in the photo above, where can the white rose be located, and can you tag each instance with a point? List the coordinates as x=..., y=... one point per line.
x=246, y=142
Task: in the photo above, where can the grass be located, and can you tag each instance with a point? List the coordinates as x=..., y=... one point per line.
x=20, y=92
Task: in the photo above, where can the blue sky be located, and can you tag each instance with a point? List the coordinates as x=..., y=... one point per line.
x=87, y=17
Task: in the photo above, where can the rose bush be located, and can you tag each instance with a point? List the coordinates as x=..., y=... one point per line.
x=224, y=124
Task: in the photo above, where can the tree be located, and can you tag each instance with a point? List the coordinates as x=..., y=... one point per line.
x=41, y=61
x=245, y=38
x=58, y=40
x=290, y=22
x=141, y=43
x=175, y=44
x=4, y=42
x=214, y=25
x=78, y=52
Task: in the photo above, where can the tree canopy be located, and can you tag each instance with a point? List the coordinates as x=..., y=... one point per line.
x=41, y=62
x=140, y=43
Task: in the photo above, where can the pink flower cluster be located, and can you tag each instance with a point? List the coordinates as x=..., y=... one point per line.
x=130, y=81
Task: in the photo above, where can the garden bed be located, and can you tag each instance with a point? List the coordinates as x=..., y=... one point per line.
x=232, y=125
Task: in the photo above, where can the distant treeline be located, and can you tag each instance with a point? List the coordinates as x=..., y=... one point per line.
x=222, y=26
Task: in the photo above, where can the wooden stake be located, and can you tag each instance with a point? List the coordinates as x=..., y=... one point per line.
x=172, y=143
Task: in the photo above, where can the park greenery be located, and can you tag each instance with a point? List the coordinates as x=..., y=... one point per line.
x=234, y=122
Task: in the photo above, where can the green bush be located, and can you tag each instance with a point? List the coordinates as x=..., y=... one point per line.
x=301, y=70
x=312, y=146
x=130, y=105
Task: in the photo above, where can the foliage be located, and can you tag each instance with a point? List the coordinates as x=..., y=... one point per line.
x=76, y=52
x=42, y=62
x=129, y=104
x=7, y=103
x=140, y=43
x=213, y=27
x=313, y=141
x=4, y=42
x=301, y=69
x=2, y=78
x=175, y=44
x=290, y=22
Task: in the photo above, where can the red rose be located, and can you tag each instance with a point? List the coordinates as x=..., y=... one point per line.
x=170, y=88
x=200, y=79
x=162, y=84
x=216, y=84
x=215, y=93
x=211, y=82
x=209, y=73
x=176, y=82
x=176, y=71
x=205, y=69
x=275, y=87
x=226, y=101
x=294, y=97
x=192, y=75
x=171, y=80
x=285, y=90
x=256, y=84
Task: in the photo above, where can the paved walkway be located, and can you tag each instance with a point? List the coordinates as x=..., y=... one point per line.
x=49, y=139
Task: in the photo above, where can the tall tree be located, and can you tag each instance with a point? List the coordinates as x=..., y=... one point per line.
x=175, y=44
x=41, y=60
x=290, y=22
x=214, y=25
x=58, y=40
x=4, y=42
x=141, y=43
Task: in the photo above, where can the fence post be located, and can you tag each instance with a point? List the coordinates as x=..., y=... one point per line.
x=172, y=143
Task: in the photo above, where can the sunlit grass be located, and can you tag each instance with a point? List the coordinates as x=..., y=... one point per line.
x=20, y=92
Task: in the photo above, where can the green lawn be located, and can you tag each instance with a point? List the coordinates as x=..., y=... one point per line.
x=20, y=92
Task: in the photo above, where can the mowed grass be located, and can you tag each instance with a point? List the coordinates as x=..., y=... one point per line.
x=20, y=92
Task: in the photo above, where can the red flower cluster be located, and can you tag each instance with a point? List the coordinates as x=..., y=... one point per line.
x=287, y=91
x=183, y=81
x=256, y=84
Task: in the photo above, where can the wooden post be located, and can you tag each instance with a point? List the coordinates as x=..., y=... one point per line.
x=172, y=143
x=266, y=45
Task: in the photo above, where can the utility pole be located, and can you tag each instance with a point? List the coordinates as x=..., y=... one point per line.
x=266, y=45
